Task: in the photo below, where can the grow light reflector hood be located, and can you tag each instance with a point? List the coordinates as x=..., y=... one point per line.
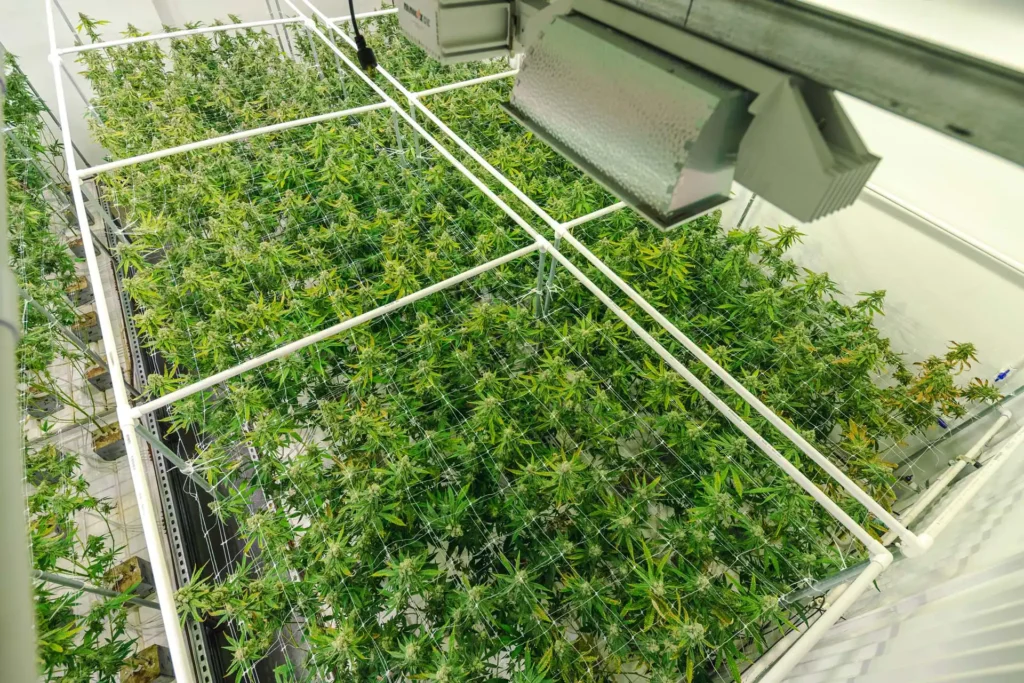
x=660, y=133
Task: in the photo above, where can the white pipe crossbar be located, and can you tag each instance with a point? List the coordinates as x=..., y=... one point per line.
x=151, y=528
x=326, y=333
x=217, y=28
x=231, y=137
x=466, y=84
x=914, y=543
x=593, y=215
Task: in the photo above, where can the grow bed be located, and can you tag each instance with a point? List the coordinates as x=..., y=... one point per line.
x=239, y=249
x=462, y=489
x=808, y=350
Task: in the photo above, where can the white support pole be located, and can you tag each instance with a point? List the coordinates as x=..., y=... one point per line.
x=466, y=84
x=840, y=515
x=176, y=34
x=162, y=577
x=287, y=349
x=17, y=613
x=231, y=137
x=914, y=544
x=364, y=15
x=940, y=484
x=814, y=634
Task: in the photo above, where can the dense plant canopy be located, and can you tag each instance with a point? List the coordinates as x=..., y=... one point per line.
x=462, y=490
x=80, y=639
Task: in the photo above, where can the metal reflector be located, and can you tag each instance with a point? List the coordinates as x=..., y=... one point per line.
x=660, y=133
x=455, y=31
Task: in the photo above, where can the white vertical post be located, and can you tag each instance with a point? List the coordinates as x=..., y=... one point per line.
x=17, y=619
x=162, y=577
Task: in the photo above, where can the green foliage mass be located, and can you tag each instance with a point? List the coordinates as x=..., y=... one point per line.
x=461, y=489
x=41, y=262
x=79, y=639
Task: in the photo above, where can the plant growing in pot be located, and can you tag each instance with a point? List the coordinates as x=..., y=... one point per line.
x=151, y=665
x=41, y=404
x=108, y=443
x=87, y=327
x=99, y=377
x=80, y=292
x=134, y=574
x=46, y=466
x=76, y=246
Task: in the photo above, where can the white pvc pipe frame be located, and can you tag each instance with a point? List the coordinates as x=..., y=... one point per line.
x=939, y=485
x=127, y=414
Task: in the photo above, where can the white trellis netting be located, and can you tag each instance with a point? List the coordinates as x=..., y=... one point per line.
x=320, y=26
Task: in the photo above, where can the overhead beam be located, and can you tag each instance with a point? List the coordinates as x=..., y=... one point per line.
x=970, y=99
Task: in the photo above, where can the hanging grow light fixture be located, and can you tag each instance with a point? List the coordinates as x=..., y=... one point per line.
x=667, y=103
